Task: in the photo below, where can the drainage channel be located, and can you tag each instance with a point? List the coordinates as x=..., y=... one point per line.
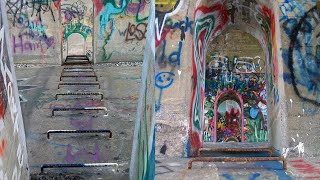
x=78, y=64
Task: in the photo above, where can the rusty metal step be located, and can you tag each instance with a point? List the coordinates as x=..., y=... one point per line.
x=79, y=165
x=81, y=109
x=79, y=94
x=78, y=132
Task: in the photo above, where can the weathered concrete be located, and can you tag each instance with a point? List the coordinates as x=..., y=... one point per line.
x=80, y=148
x=110, y=31
x=184, y=106
x=176, y=168
x=13, y=153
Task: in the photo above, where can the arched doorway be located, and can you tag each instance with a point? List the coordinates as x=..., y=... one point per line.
x=235, y=89
x=76, y=44
x=211, y=19
x=77, y=27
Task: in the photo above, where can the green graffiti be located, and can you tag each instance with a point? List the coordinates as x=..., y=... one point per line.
x=207, y=24
x=110, y=8
x=137, y=15
x=78, y=27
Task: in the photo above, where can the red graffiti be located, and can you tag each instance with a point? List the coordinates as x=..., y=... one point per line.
x=202, y=36
x=164, y=34
x=57, y=3
x=268, y=14
x=99, y=5
x=2, y=108
x=2, y=148
x=305, y=168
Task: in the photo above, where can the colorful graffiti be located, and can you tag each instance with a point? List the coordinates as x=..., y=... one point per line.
x=137, y=8
x=165, y=9
x=302, y=56
x=208, y=21
x=170, y=26
x=107, y=9
x=241, y=118
x=77, y=27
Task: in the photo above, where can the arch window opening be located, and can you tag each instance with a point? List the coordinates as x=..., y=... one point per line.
x=235, y=108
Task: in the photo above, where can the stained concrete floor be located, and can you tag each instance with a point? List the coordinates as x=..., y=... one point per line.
x=38, y=85
x=300, y=168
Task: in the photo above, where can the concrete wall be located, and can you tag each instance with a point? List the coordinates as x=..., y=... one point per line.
x=300, y=53
x=120, y=31
x=13, y=154
x=184, y=32
x=113, y=30
x=35, y=31
x=142, y=165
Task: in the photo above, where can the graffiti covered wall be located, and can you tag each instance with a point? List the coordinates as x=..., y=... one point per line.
x=184, y=31
x=120, y=29
x=13, y=154
x=77, y=19
x=34, y=27
x=301, y=57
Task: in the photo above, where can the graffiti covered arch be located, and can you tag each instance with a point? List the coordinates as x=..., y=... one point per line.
x=211, y=18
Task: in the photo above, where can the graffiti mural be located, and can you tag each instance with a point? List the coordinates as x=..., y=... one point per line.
x=106, y=10
x=302, y=56
x=246, y=80
x=165, y=9
x=207, y=24
x=210, y=20
x=77, y=17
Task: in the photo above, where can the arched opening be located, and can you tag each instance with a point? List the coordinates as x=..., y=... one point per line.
x=76, y=44
x=259, y=72
x=235, y=89
x=77, y=18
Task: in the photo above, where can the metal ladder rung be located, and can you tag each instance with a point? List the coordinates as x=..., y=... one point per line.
x=268, y=150
x=74, y=76
x=78, y=67
x=79, y=84
x=80, y=109
x=79, y=165
x=237, y=159
x=79, y=94
x=78, y=131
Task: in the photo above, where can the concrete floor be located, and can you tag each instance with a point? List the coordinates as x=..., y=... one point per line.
x=298, y=168
x=120, y=86
x=38, y=86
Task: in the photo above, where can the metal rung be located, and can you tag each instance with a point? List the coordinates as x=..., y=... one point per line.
x=78, y=67
x=77, y=55
x=80, y=70
x=80, y=109
x=79, y=84
x=79, y=94
x=237, y=159
x=77, y=60
x=78, y=131
x=268, y=150
x=74, y=76
x=64, y=72
x=79, y=165
x=76, y=63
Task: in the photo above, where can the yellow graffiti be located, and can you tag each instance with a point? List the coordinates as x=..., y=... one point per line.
x=166, y=2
